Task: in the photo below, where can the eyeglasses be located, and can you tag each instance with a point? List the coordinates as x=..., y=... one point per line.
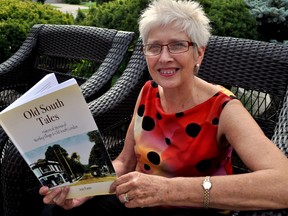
x=173, y=47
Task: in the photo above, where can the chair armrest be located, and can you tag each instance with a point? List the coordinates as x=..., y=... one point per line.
x=15, y=68
x=280, y=136
x=113, y=110
x=14, y=79
x=111, y=63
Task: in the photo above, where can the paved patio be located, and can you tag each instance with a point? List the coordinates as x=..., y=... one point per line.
x=66, y=8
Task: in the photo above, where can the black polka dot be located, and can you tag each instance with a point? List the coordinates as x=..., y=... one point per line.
x=168, y=141
x=154, y=84
x=180, y=114
x=193, y=130
x=141, y=110
x=146, y=167
x=215, y=95
x=153, y=157
x=203, y=165
x=215, y=121
x=158, y=116
x=224, y=104
x=148, y=123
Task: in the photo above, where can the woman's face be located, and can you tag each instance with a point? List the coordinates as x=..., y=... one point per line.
x=167, y=69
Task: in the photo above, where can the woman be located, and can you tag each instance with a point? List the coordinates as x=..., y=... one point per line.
x=177, y=154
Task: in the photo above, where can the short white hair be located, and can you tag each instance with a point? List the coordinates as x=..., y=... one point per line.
x=188, y=16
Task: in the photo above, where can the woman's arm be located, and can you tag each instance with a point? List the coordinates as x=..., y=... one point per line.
x=126, y=161
x=264, y=188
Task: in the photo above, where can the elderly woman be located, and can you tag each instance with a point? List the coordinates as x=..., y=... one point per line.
x=177, y=154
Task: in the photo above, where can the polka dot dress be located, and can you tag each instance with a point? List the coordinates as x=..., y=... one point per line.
x=180, y=144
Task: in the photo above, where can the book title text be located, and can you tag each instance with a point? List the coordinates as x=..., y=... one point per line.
x=36, y=112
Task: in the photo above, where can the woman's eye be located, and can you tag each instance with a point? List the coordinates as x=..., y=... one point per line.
x=153, y=47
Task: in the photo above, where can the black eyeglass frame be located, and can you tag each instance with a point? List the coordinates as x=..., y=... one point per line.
x=162, y=45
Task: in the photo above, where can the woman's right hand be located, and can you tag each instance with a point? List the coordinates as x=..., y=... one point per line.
x=58, y=196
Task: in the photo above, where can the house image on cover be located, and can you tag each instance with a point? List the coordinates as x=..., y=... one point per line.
x=49, y=173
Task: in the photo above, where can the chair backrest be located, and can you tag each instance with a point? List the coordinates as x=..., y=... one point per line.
x=68, y=51
x=113, y=110
x=256, y=71
x=60, y=49
x=64, y=48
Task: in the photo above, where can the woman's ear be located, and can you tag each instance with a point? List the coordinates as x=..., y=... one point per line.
x=201, y=52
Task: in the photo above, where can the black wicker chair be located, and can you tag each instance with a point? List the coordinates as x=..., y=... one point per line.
x=59, y=49
x=280, y=136
x=257, y=72
x=62, y=49
x=239, y=64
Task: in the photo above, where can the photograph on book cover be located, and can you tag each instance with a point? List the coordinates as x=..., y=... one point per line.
x=77, y=160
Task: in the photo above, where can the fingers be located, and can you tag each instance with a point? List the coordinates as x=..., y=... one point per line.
x=61, y=197
x=56, y=196
x=43, y=190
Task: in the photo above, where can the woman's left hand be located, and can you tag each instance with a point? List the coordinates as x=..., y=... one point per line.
x=136, y=189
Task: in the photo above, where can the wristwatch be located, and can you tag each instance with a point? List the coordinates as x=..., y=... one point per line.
x=207, y=186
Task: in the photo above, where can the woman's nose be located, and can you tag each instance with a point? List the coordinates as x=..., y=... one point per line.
x=165, y=55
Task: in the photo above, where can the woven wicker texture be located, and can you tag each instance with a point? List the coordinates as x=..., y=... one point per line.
x=251, y=67
x=113, y=110
x=59, y=49
x=245, y=66
x=52, y=48
x=257, y=73
x=280, y=136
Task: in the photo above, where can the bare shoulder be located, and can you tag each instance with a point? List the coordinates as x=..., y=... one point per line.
x=241, y=130
x=238, y=127
x=236, y=121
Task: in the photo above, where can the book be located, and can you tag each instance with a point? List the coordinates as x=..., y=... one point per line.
x=54, y=130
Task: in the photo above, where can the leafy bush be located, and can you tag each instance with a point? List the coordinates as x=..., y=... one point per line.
x=271, y=16
x=17, y=19
x=228, y=18
x=231, y=18
x=114, y=14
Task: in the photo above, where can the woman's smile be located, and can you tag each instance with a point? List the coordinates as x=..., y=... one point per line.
x=167, y=72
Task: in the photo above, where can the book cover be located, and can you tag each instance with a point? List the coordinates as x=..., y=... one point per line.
x=53, y=129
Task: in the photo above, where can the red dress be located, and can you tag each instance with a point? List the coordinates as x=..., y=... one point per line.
x=180, y=144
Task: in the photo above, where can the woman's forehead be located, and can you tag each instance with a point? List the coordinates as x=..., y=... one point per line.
x=167, y=32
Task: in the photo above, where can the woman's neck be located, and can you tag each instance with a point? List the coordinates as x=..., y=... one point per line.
x=186, y=97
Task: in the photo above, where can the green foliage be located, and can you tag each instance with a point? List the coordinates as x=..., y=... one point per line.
x=271, y=16
x=17, y=19
x=84, y=68
x=12, y=34
x=114, y=14
x=230, y=18
x=80, y=16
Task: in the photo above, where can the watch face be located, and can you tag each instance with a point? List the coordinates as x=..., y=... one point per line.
x=207, y=185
